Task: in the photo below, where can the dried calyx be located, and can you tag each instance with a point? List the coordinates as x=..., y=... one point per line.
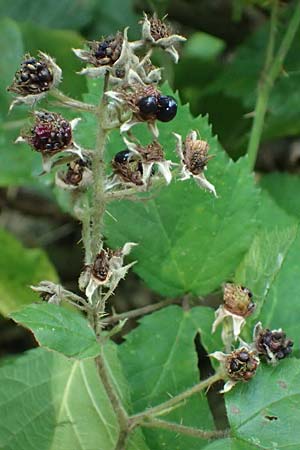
x=77, y=176
x=107, y=269
x=238, y=304
x=152, y=156
x=239, y=365
x=109, y=55
x=157, y=33
x=193, y=154
x=273, y=345
x=49, y=292
x=238, y=300
x=127, y=168
x=105, y=52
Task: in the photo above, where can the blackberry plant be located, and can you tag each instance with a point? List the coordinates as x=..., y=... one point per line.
x=156, y=193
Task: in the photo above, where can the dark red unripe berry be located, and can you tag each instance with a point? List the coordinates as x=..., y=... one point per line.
x=167, y=108
x=51, y=133
x=148, y=107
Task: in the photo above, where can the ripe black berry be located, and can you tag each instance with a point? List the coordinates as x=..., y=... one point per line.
x=122, y=157
x=101, y=50
x=167, y=108
x=148, y=107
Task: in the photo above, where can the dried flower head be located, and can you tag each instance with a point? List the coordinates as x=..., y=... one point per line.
x=106, y=52
x=107, y=269
x=77, y=177
x=239, y=365
x=35, y=77
x=238, y=300
x=152, y=155
x=112, y=54
x=193, y=154
x=238, y=305
x=127, y=169
x=157, y=33
x=272, y=344
x=49, y=135
x=49, y=292
x=145, y=72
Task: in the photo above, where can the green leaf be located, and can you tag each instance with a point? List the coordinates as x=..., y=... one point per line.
x=281, y=308
x=265, y=411
x=203, y=46
x=160, y=361
x=187, y=238
x=230, y=444
x=19, y=268
x=62, y=14
x=59, y=329
x=284, y=188
x=49, y=402
x=240, y=77
x=11, y=48
x=271, y=270
x=114, y=16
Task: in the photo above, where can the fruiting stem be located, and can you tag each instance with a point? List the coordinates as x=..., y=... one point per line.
x=190, y=431
x=271, y=71
x=139, y=311
x=169, y=405
x=116, y=403
x=99, y=201
x=70, y=102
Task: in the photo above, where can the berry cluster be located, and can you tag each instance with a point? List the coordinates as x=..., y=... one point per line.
x=128, y=167
x=159, y=29
x=33, y=77
x=100, y=268
x=74, y=173
x=274, y=344
x=160, y=107
x=241, y=364
x=106, y=52
x=51, y=133
x=238, y=300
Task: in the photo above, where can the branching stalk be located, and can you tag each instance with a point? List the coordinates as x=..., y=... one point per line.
x=140, y=311
x=190, y=431
x=167, y=406
x=70, y=102
x=116, y=403
x=270, y=73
